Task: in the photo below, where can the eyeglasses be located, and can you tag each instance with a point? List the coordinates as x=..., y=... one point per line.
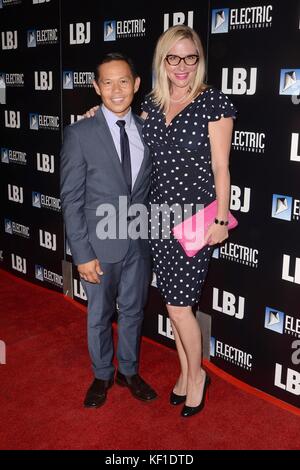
x=188, y=59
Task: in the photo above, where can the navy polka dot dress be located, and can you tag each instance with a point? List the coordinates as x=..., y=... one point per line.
x=181, y=175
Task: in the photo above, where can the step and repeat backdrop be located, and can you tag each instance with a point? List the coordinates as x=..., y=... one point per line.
x=249, y=310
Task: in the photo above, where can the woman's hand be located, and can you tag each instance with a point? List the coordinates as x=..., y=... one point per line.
x=91, y=112
x=216, y=233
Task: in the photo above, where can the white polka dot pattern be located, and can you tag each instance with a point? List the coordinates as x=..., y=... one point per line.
x=181, y=174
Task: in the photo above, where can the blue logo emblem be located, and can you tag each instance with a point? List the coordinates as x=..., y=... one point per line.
x=68, y=83
x=220, y=20
x=212, y=346
x=289, y=82
x=36, y=199
x=39, y=272
x=34, y=121
x=4, y=155
x=8, y=226
x=31, y=38
x=282, y=207
x=110, y=28
x=274, y=320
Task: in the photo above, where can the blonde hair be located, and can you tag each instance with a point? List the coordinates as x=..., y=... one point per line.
x=161, y=90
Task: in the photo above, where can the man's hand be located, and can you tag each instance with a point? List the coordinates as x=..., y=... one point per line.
x=90, y=271
x=91, y=112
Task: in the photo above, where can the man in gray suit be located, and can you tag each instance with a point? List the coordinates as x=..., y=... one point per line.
x=103, y=159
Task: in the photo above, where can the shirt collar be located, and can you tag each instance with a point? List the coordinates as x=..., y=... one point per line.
x=112, y=118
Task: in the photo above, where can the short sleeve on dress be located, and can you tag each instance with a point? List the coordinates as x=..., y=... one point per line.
x=219, y=105
x=147, y=104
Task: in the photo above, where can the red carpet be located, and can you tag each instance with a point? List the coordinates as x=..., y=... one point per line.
x=48, y=371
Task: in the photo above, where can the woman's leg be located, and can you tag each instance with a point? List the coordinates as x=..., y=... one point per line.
x=188, y=330
x=181, y=384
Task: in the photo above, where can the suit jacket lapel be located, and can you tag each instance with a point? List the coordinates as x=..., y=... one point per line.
x=145, y=157
x=107, y=143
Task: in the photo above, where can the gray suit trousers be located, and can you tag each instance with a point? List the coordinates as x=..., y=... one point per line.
x=125, y=282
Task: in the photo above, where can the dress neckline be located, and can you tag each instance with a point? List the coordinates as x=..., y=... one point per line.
x=183, y=109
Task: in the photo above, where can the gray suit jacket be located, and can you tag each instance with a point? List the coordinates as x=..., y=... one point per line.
x=91, y=174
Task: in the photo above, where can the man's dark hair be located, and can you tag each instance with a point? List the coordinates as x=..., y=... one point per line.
x=115, y=56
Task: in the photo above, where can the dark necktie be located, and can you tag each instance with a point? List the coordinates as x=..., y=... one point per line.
x=125, y=153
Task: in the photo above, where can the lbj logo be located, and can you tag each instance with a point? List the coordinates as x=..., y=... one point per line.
x=18, y=263
x=75, y=118
x=9, y=40
x=242, y=82
x=292, y=380
x=80, y=33
x=47, y=240
x=295, y=151
x=43, y=81
x=179, y=18
x=286, y=276
x=15, y=193
x=78, y=290
x=165, y=329
x=12, y=119
x=2, y=352
x=45, y=163
x=229, y=304
x=236, y=204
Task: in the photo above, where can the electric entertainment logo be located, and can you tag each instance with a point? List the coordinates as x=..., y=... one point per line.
x=41, y=37
x=274, y=320
x=285, y=207
x=9, y=80
x=45, y=275
x=247, y=141
x=230, y=354
x=14, y=228
x=8, y=3
x=289, y=82
x=279, y=322
x=116, y=29
x=43, y=122
x=13, y=156
x=73, y=80
x=224, y=20
x=43, y=201
x=238, y=254
x=220, y=21
x=110, y=30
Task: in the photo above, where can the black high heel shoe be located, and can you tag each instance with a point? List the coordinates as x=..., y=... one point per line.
x=177, y=399
x=188, y=411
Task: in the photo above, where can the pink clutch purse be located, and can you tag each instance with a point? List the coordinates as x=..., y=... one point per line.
x=191, y=232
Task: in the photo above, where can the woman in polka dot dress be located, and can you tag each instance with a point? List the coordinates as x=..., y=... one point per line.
x=188, y=127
